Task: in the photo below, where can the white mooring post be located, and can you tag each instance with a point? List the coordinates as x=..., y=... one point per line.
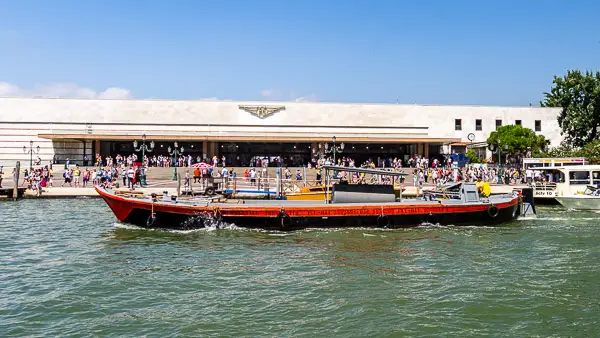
x=278, y=183
x=16, y=180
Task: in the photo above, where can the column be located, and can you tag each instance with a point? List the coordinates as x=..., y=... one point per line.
x=204, y=150
x=211, y=149
x=96, y=148
x=426, y=150
x=215, y=149
x=420, y=149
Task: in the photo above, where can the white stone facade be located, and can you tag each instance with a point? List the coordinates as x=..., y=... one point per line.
x=69, y=126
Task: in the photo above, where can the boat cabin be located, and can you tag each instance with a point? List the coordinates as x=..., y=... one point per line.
x=577, y=179
x=382, y=190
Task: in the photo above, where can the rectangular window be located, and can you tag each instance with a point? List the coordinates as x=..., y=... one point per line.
x=538, y=125
x=579, y=177
x=478, y=125
x=498, y=124
x=458, y=124
x=518, y=122
x=595, y=177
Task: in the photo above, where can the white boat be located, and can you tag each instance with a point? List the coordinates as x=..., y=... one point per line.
x=547, y=174
x=588, y=200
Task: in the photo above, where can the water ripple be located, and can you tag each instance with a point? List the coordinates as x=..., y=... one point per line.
x=67, y=269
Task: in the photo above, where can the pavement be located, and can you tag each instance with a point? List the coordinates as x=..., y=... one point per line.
x=72, y=192
x=160, y=179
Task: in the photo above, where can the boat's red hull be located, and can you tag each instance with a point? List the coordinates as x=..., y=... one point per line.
x=138, y=212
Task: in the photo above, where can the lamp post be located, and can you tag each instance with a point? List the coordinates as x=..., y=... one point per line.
x=31, y=150
x=492, y=148
x=143, y=148
x=175, y=153
x=333, y=149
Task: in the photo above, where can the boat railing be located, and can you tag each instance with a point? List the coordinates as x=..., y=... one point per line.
x=543, y=186
x=293, y=186
x=272, y=185
x=261, y=185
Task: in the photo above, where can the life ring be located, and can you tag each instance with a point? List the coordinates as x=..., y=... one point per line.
x=151, y=220
x=493, y=211
x=383, y=221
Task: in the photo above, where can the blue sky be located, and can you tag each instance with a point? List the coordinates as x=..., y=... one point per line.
x=430, y=52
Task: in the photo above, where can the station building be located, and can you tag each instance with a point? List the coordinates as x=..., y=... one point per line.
x=243, y=131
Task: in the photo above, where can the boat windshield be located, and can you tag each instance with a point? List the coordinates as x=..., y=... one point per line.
x=546, y=176
x=547, y=163
x=592, y=191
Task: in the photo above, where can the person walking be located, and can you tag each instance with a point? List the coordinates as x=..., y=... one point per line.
x=67, y=177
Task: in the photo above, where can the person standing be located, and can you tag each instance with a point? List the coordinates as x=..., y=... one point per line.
x=225, y=174
x=196, y=175
x=130, y=177
x=86, y=177
x=124, y=174
x=186, y=184
x=76, y=175
x=1, y=174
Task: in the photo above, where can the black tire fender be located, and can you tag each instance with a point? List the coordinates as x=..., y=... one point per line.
x=383, y=221
x=151, y=220
x=493, y=211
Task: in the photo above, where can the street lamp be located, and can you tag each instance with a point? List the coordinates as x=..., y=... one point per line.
x=175, y=153
x=499, y=149
x=143, y=148
x=333, y=149
x=31, y=150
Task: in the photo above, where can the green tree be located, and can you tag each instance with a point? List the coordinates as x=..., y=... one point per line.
x=473, y=156
x=562, y=150
x=591, y=151
x=515, y=139
x=578, y=95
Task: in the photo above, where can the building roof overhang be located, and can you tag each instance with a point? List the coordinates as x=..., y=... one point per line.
x=249, y=138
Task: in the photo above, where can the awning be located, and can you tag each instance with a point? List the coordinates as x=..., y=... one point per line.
x=247, y=137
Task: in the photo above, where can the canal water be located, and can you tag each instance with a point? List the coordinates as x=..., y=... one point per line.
x=69, y=269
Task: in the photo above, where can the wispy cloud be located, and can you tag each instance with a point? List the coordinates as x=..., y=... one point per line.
x=282, y=95
x=308, y=98
x=267, y=93
x=64, y=90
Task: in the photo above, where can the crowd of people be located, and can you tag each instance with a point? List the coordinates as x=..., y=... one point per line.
x=127, y=171
x=37, y=178
x=436, y=172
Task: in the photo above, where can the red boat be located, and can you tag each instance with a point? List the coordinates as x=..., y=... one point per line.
x=350, y=206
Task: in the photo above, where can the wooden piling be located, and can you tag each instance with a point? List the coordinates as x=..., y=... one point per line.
x=178, y=185
x=16, y=180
